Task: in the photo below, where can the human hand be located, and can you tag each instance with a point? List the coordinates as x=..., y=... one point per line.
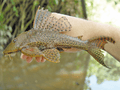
x=42, y=59
x=29, y=59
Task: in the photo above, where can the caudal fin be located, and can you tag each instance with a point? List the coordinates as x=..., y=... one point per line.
x=95, y=45
x=98, y=56
x=101, y=41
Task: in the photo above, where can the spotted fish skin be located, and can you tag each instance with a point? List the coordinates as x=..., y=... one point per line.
x=49, y=40
x=54, y=40
x=46, y=40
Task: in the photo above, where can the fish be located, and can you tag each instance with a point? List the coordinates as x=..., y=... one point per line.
x=46, y=39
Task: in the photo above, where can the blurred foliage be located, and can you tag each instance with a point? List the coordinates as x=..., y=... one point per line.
x=106, y=11
x=17, y=16
x=103, y=73
x=100, y=11
x=5, y=32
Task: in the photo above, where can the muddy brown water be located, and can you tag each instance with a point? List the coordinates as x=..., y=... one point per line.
x=69, y=74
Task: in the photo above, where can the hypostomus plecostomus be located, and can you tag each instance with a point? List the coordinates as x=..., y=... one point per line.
x=47, y=41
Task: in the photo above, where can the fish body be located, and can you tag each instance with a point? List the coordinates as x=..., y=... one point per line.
x=46, y=40
x=52, y=39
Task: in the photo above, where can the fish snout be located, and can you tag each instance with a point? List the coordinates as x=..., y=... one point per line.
x=11, y=48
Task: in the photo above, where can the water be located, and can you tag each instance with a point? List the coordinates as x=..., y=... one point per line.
x=106, y=85
x=74, y=72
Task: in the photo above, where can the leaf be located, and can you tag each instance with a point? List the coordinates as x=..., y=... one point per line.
x=13, y=3
x=17, y=14
x=1, y=27
x=76, y=1
x=1, y=33
x=56, y=2
x=14, y=9
x=9, y=34
x=49, y=8
x=5, y=27
x=1, y=48
x=1, y=17
x=36, y=3
x=1, y=40
x=5, y=41
x=10, y=28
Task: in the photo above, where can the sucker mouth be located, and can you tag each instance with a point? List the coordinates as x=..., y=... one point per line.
x=10, y=53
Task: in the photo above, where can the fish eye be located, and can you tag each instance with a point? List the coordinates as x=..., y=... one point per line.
x=14, y=40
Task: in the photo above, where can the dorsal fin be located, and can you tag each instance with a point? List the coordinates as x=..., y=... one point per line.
x=41, y=18
x=43, y=21
x=50, y=23
x=62, y=25
x=36, y=18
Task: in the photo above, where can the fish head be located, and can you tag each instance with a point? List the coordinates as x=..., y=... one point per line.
x=15, y=44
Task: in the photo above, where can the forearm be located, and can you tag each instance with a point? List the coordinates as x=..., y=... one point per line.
x=91, y=29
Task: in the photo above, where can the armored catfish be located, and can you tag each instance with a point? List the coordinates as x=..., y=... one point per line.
x=47, y=41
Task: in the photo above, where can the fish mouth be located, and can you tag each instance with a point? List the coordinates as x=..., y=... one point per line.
x=7, y=53
x=11, y=54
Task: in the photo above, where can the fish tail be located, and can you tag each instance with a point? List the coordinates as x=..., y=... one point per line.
x=98, y=56
x=95, y=45
x=100, y=41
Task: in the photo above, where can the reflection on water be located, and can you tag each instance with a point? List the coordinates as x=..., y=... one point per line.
x=69, y=74
x=106, y=85
x=101, y=78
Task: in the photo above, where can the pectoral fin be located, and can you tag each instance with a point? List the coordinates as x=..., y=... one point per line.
x=51, y=55
x=32, y=51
